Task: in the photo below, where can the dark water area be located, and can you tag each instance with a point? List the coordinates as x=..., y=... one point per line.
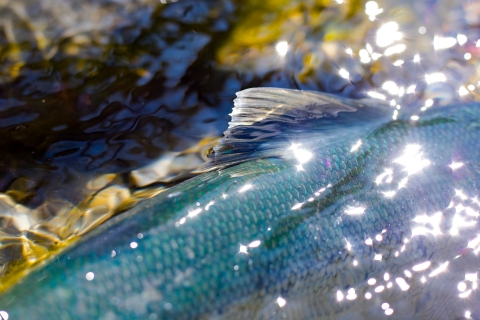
x=114, y=106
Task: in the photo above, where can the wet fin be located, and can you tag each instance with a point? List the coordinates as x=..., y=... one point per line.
x=265, y=121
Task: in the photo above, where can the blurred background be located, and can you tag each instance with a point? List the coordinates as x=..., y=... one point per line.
x=106, y=102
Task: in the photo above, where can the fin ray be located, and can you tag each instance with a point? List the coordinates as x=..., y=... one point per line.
x=265, y=120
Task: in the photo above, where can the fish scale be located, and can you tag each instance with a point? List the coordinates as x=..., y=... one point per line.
x=195, y=268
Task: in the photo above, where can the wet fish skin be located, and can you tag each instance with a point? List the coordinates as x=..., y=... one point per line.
x=191, y=264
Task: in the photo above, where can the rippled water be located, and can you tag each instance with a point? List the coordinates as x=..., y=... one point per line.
x=101, y=99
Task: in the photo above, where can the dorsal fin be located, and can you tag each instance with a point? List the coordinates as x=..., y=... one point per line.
x=266, y=120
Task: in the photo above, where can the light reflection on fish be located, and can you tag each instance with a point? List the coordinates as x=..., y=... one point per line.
x=332, y=210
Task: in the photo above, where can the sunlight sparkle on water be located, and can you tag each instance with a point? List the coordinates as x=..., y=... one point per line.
x=300, y=167
x=472, y=277
x=356, y=146
x=372, y=10
x=194, y=213
x=354, y=211
x=339, y=295
x=456, y=165
x=344, y=73
x=351, y=295
x=297, y=206
x=348, y=246
x=391, y=87
x=379, y=289
x=243, y=249
x=462, y=91
x=434, y=221
x=421, y=266
x=302, y=155
x=435, y=77
x=389, y=194
x=440, y=43
x=461, y=286
x=376, y=95
x=254, y=244
x=461, y=195
x=387, y=34
x=442, y=268
x=462, y=39
x=402, y=284
x=398, y=63
x=412, y=159
x=281, y=302
x=398, y=48
x=474, y=244
x=364, y=56
x=282, y=48
x=460, y=222
x=246, y=187
x=211, y=203
x=465, y=294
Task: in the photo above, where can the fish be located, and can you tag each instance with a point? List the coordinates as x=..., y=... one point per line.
x=313, y=206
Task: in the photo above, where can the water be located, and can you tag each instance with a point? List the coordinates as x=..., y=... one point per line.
x=91, y=92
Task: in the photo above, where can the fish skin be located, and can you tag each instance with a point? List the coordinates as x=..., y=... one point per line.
x=195, y=270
